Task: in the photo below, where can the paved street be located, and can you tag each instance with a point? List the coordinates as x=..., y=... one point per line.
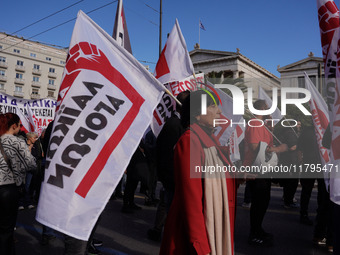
x=126, y=233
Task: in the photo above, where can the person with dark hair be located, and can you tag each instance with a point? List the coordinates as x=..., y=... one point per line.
x=289, y=136
x=15, y=160
x=309, y=148
x=165, y=143
x=203, y=207
x=260, y=187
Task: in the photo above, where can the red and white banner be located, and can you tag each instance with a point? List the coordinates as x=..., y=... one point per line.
x=320, y=117
x=120, y=31
x=167, y=106
x=174, y=63
x=277, y=113
x=235, y=139
x=329, y=24
x=42, y=111
x=189, y=83
x=31, y=119
x=105, y=104
x=224, y=131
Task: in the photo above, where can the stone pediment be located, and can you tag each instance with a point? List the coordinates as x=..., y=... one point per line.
x=308, y=63
x=198, y=55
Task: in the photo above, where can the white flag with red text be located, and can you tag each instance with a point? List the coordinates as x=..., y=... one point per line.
x=26, y=127
x=167, y=106
x=328, y=14
x=32, y=120
x=320, y=117
x=277, y=113
x=174, y=63
x=235, y=139
x=229, y=121
x=120, y=31
x=105, y=104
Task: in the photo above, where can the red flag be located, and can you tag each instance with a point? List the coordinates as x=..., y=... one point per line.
x=174, y=63
x=328, y=14
x=320, y=117
x=120, y=31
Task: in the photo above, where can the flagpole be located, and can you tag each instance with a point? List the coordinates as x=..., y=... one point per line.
x=160, y=28
x=199, y=34
x=170, y=94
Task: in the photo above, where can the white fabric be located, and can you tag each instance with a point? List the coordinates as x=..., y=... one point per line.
x=265, y=159
x=277, y=113
x=120, y=31
x=328, y=15
x=174, y=63
x=31, y=120
x=167, y=106
x=42, y=110
x=223, y=132
x=106, y=103
x=320, y=118
x=216, y=207
x=235, y=139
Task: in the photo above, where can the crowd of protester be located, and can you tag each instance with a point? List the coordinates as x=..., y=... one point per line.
x=203, y=207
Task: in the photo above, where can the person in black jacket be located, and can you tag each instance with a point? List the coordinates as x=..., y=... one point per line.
x=166, y=141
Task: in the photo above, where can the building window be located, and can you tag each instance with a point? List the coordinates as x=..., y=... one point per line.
x=51, y=82
x=62, y=62
x=18, y=89
x=35, y=78
x=35, y=66
x=48, y=59
x=35, y=91
x=20, y=63
x=33, y=55
x=2, y=59
x=18, y=76
x=52, y=70
x=50, y=93
x=0, y=46
x=2, y=86
x=2, y=73
x=16, y=51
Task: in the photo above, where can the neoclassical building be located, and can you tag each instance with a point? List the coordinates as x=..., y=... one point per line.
x=233, y=65
x=292, y=75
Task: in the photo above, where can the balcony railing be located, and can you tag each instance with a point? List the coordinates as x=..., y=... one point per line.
x=35, y=96
x=19, y=81
x=52, y=75
x=20, y=68
x=36, y=71
x=18, y=94
x=51, y=87
x=3, y=78
x=3, y=64
x=36, y=84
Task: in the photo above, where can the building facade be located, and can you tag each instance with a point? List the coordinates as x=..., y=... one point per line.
x=30, y=70
x=235, y=66
x=292, y=75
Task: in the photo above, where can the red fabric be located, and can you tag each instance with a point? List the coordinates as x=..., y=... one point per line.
x=185, y=231
x=255, y=135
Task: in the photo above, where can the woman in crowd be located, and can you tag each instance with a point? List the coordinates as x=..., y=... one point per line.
x=201, y=217
x=15, y=160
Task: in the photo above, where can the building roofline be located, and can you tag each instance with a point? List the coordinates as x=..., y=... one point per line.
x=309, y=58
x=231, y=55
x=54, y=47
